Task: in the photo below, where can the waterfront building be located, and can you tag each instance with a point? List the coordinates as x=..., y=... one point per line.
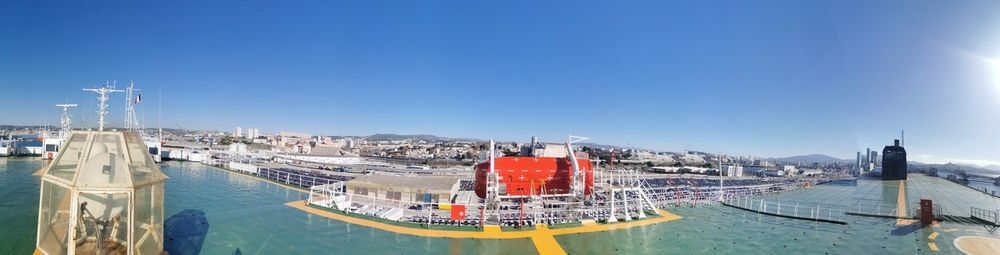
x=323, y=159
x=404, y=189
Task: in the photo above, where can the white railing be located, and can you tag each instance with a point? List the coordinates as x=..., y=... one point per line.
x=874, y=208
x=811, y=211
x=986, y=215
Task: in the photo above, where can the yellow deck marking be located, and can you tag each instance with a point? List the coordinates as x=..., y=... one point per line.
x=542, y=236
x=901, y=205
x=492, y=229
x=545, y=242
x=933, y=235
x=933, y=246
x=951, y=230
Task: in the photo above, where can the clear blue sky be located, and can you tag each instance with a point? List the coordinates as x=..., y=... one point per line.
x=774, y=79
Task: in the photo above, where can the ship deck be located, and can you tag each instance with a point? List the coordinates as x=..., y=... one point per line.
x=252, y=215
x=542, y=236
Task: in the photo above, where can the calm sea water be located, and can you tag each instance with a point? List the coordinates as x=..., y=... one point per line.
x=249, y=215
x=18, y=205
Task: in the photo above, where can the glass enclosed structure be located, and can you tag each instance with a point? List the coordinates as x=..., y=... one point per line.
x=102, y=194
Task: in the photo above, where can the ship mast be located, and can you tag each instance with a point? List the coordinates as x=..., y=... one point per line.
x=492, y=181
x=66, y=120
x=131, y=119
x=102, y=105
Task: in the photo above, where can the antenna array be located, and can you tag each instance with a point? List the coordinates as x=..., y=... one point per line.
x=102, y=105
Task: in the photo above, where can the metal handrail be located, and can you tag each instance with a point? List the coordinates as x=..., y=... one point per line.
x=987, y=215
x=789, y=209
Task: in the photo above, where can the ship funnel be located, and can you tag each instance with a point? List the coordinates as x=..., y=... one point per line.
x=896, y=142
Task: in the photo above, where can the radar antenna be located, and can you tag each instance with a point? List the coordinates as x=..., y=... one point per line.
x=67, y=122
x=102, y=105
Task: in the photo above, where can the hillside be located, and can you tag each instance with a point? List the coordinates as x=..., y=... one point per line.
x=812, y=158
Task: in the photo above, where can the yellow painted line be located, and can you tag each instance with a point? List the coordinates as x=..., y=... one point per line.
x=933, y=246
x=545, y=242
x=901, y=205
x=933, y=235
x=301, y=205
x=542, y=236
x=492, y=229
x=951, y=230
x=493, y=234
x=664, y=217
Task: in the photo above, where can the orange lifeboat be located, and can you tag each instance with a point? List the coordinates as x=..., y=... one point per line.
x=524, y=176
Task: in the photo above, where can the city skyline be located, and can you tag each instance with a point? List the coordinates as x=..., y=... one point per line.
x=737, y=78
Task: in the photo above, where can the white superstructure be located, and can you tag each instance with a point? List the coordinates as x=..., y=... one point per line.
x=6, y=148
x=52, y=141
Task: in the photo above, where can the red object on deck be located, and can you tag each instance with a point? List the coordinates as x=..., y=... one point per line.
x=457, y=212
x=525, y=176
x=926, y=212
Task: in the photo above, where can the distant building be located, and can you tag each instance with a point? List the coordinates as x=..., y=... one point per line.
x=732, y=170
x=239, y=132
x=894, y=162
x=403, y=189
x=874, y=159
x=868, y=160
x=789, y=169
x=858, y=166
x=238, y=147
x=665, y=169
x=253, y=133
x=554, y=150
x=755, y=170
x=336, y=160
x=810, y=172
x=294, y=134
x=857, y=163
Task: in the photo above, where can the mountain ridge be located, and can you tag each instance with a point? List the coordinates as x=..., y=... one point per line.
x=812, y=158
